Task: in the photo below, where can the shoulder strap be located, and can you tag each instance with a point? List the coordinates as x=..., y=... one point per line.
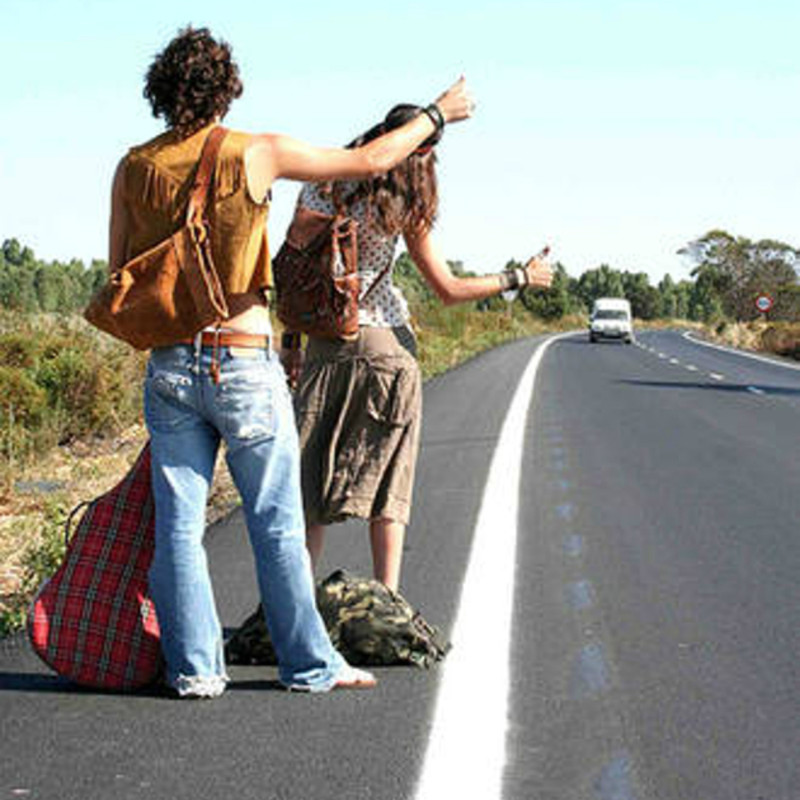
x=364, y=295
x=205, y=287
x=205, y=172
x=341, y=205
x=337, y=198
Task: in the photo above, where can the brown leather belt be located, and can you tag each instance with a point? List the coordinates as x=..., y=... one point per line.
x=217, y=339
x=232, y=339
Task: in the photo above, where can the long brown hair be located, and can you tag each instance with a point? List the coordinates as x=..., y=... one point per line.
x=407, y=196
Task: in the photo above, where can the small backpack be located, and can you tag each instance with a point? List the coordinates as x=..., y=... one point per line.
x=317, y=287
x=369, y=625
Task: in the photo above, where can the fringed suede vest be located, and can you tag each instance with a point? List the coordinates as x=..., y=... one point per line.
x=157, y=182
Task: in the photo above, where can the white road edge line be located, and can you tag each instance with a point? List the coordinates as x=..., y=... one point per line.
x=466, y=753
x=687, y=335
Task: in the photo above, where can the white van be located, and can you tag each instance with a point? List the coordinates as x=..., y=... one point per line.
x=611, y=319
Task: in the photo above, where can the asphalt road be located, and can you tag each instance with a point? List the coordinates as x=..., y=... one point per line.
x=656, y=609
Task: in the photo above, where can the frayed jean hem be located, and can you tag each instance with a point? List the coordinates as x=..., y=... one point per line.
x=203, y=686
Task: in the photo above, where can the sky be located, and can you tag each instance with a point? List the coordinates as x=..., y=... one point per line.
x=616, y=132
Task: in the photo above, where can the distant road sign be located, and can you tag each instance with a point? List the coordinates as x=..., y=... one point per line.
x=764, y=303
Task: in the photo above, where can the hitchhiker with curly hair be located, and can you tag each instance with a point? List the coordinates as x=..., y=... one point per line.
x=229, y=386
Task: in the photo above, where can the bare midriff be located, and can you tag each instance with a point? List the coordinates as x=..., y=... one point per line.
x=254, y=319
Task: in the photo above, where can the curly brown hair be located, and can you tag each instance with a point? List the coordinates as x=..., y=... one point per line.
x=192, y=81
x=407, y=196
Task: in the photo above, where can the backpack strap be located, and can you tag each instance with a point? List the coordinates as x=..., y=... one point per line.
x=205, y=172
x=365, y=294
x=338, y=200
x=341, y=210
x=207, y=287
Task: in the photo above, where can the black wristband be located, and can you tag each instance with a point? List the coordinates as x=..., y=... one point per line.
x=508, y=280
x=290, y=341
x=435, y=115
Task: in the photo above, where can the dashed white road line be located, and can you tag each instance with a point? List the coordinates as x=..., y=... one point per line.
x=466, y=753
x=716, y=376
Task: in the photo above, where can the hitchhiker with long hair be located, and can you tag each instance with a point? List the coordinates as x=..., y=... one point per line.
x=358, y=402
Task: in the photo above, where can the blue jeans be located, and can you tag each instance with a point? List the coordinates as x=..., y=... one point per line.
x=187, y=415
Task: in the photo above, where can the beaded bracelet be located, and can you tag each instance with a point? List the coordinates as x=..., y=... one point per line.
x=513, y=278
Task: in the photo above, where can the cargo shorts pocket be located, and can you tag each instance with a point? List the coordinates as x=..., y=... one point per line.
x=393, y=395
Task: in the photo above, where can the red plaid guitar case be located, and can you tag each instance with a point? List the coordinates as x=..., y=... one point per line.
x=93, y=621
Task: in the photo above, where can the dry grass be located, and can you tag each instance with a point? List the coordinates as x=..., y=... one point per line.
x=779, y=338
x=448, y=337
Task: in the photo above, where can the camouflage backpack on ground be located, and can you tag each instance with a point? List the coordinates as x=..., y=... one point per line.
x=367, y=622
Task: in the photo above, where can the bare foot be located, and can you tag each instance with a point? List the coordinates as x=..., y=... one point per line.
x=354, y=678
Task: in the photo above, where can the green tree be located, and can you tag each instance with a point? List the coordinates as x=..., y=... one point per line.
x=48, y=283
x=645, y=299
x=92, y=279
x=600, y=282
x=28, y=284
x=683, y=294
x=730, y=271
x=555, y=302
x=668, y=298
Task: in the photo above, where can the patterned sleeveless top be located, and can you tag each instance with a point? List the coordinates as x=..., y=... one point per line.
x=385, y=307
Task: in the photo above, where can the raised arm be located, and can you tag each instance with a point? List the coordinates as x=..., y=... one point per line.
x=452, y=289
x=273, y=156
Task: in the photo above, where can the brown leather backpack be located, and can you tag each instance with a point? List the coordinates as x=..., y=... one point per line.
x=317, y=287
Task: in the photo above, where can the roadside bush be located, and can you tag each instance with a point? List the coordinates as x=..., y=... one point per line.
x=39, y=562
x=17, y=350
x=22, y=400
x=62, y=380
x=782, y=338
x=23, y=407
x=89, y=391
